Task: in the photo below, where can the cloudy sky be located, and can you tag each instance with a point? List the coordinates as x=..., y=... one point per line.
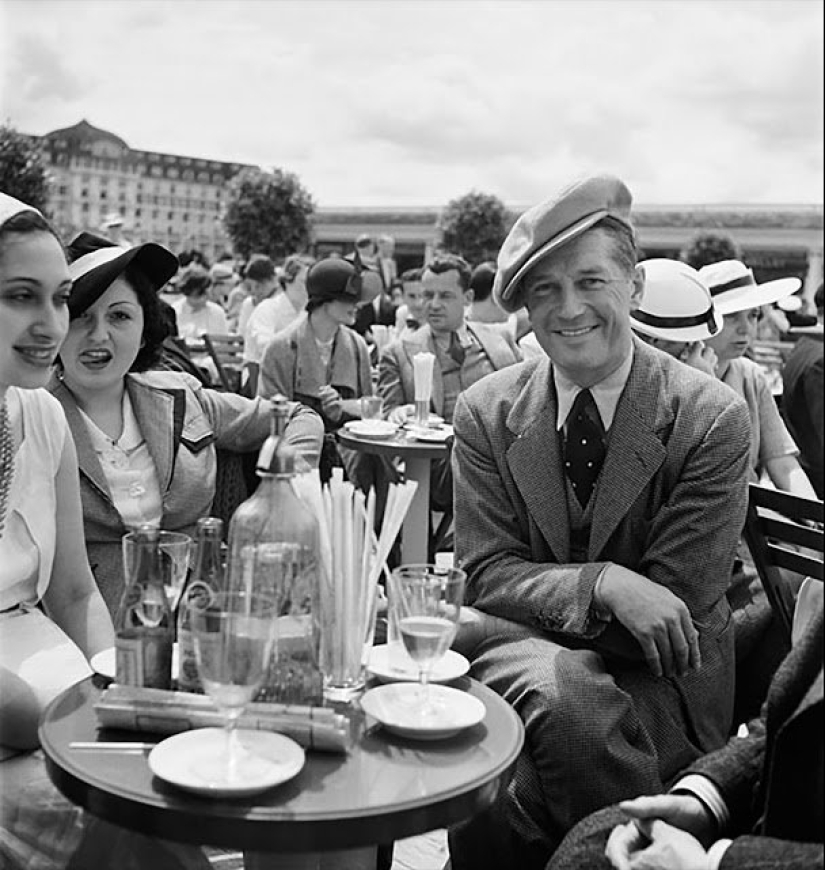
x=391, y=102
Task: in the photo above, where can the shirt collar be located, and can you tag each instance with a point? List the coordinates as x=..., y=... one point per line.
x=442, y=339
x=606, y=393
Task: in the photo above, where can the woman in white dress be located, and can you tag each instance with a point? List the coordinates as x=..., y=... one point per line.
x=52, y=616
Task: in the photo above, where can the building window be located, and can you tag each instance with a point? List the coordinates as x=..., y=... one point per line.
x=170, y=215
x=137, y=212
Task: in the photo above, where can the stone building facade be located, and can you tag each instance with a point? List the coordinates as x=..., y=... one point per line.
x=179, y=201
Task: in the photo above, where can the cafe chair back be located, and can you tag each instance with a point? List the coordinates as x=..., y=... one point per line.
x=784, y=531
x=235, y=375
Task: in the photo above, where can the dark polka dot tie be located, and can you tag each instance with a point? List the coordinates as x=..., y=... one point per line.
x=584, y=446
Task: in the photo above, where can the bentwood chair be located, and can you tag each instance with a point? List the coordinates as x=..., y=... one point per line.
x=235, y=375
x=784, y=531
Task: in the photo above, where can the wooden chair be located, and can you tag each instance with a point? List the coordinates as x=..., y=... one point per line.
x=227, y=354
x=774, y=521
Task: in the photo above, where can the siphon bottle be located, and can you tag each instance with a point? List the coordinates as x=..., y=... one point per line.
x=274, y=547
x=144, y=626
x=205, y=579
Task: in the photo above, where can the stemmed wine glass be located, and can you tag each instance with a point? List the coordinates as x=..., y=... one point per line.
x=233, y=634
x=427, y=605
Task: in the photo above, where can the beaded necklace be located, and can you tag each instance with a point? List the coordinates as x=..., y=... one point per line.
x=6, y=463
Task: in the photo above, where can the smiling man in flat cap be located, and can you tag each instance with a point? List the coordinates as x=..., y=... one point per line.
x=600, y=491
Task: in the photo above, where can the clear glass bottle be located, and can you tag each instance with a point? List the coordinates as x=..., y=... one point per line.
x=206, y=578
x=144, y=625
x=274, y=547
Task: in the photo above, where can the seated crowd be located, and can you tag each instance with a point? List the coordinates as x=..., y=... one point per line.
x=607, y=422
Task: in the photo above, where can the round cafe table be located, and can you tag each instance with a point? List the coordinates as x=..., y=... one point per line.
x=417, y=456
x=331, y=815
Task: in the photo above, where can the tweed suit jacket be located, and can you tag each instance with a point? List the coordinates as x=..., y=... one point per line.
x=669, y=504
x=772, y=780
x=396, y=384
x=182, y=423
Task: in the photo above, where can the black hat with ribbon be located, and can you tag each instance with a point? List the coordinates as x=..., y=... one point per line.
x=95, y=263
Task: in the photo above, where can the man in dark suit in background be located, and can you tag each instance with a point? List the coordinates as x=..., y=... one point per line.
x=803, y=391
x=380, y=310
x=600, y=492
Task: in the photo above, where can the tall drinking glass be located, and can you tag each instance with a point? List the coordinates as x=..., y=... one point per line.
x=175, y=554
x=423, y=383
x=427, y=606
x=233, y=635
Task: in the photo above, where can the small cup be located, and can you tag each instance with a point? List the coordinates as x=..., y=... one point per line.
x=372, y=408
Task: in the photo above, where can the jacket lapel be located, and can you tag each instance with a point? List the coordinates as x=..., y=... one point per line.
x=345, y=362
x=497, y=350
x=535, y=461
x=87, y=461
x=635, y=452
x=160, y=416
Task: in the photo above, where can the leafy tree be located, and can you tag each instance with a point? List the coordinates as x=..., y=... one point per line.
x=268, y=213
x=707, y=247
x=23, y=172
x=474, y=226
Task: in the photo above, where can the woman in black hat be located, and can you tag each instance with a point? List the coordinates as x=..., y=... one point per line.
x=320, y=360
x=146, y=440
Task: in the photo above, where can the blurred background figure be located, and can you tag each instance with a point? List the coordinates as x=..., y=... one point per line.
x=196, y=313
x=802, y=397
x=223, y=279
x=112, y=226
x=380, y=310
x=279, y=310
x=259, y=282
x=409, y=315
x=385, y=257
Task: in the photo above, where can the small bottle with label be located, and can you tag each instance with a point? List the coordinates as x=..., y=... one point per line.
x=206, y=579
x=144, y=625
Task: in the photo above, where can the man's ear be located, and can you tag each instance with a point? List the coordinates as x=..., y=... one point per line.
x=469, y=295
x=638, y=289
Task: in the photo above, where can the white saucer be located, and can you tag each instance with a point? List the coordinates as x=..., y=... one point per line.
x=376, y=430
x=396, y=707
x=434, y=420
x=103, y=663
x=452, y=666
x=437, y=436
x=192, y=760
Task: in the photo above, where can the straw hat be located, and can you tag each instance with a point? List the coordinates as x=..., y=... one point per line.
x=734, y=288
x=676, y=304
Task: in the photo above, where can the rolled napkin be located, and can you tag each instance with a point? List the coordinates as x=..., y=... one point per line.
x=163, y=712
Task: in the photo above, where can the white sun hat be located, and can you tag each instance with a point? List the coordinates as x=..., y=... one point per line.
x=734, y=288
x=676, y=304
